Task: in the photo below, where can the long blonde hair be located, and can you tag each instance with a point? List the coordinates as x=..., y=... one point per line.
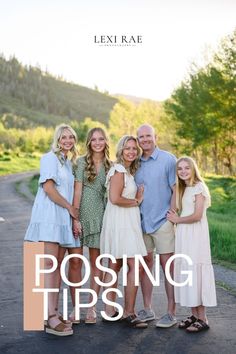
x=180, y=184
x=57, y=136
x=119, y=153
x=90, y=167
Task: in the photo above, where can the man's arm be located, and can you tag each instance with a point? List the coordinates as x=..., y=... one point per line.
x=173, y=198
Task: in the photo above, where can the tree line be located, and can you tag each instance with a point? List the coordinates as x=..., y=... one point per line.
x=199, y=119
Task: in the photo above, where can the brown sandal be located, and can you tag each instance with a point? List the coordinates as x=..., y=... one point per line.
x=188, y=322
x=198, y=326
x=60, y=330
x=68, y=323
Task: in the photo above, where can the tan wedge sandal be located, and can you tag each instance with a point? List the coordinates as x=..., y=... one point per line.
x=68, y=323
x=60, y=330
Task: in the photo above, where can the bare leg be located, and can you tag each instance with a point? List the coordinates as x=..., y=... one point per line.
x=61, y=254
x=93, y=254
x=146, y=284
x=201, y=311
x=195, y=312
x=75, y=267
x=52, y=280
x=111, y=296
x=130, y=289
x=169, y=288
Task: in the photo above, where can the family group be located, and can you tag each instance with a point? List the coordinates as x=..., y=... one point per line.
x=145, y=202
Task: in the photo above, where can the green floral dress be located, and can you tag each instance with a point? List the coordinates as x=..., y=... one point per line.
x=92, y=205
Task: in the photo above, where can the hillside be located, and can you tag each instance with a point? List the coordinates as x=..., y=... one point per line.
x=134, y=99
x=33, y=97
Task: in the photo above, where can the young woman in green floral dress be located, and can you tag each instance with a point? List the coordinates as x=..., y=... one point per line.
x=89, y=199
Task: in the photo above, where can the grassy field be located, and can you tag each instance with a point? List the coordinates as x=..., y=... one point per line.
x=14, y=163
x=221, y=217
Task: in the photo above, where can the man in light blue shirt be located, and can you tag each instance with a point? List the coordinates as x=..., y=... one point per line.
x=157, y=174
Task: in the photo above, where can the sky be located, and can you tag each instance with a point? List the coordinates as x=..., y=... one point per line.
x=58, y=35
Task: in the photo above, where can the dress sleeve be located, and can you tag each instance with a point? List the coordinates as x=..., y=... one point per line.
x=201, y=188
x=49, y=169
x=79, y=170
x=116, y=168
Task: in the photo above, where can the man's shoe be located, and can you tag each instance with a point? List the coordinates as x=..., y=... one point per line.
x=133, y=321
x=146, y=315
x=166, y=321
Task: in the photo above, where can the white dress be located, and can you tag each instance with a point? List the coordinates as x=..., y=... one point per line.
x=121, y=231
x=49, y=221
x=193, y=240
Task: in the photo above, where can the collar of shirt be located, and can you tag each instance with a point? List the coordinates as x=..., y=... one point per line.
x=62, y=158
x=154, y=155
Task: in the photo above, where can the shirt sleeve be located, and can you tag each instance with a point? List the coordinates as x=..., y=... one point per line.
x=49, y=169
x=172, y=171
x=79, y=170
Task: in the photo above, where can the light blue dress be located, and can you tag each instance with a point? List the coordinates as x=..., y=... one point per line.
x=49, y=221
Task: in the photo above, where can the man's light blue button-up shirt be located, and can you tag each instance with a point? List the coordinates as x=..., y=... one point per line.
x=157, y=174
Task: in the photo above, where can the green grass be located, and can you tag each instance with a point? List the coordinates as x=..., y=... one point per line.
x=221, y=217
x=13, y=163
x=226, y=287
x=33, y=184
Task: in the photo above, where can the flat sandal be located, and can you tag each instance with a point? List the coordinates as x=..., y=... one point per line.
x=197, y=326
x=188, y=322
x=91, y=317
x=72, y=318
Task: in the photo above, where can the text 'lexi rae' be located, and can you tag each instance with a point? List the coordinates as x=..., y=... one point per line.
x=155, y=279
x=124, y=39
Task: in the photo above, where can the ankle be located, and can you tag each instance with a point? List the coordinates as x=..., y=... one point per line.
x=148, y=308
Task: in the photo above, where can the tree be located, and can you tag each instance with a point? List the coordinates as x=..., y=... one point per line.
x=203, y=108
x=126, y=117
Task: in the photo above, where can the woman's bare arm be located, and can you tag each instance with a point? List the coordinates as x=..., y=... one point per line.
x=115, y=192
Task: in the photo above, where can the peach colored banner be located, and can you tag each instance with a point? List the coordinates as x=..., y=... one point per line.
x=33, y=302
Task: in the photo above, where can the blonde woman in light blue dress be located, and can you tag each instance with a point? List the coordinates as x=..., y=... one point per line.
x=52, y=212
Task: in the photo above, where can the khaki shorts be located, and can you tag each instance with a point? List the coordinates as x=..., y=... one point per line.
x=163, y=240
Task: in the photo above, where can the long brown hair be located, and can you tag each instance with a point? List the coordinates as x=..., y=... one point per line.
x=90, y=167
x=180, y=184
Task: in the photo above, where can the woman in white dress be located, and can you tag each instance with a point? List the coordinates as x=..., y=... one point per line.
x=192, y=239
x=51, y=215
x=121, y=232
